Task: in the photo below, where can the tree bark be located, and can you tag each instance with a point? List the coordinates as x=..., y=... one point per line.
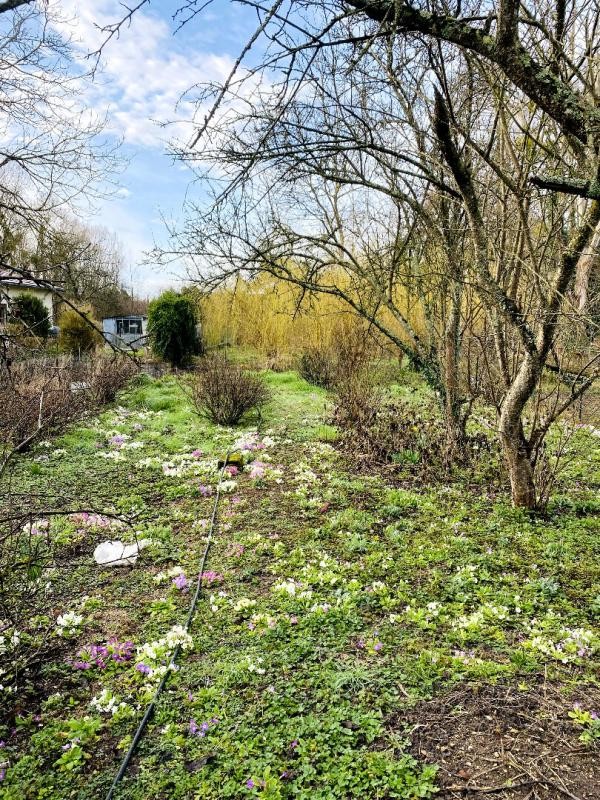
x=520, y=472
x=454, y=418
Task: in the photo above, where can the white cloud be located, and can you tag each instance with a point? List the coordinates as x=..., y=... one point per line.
x=145, y=73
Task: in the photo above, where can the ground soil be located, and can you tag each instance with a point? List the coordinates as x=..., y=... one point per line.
x=500, y=742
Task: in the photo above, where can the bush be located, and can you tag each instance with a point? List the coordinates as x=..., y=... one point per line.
x=223, y=392
x=382, y=429
x=107, y=375
x=38, y=397
x=77, y=335
x=173, y=328
x=35, y=398
x=32, y=314
x=352, y=349
x=317, y=366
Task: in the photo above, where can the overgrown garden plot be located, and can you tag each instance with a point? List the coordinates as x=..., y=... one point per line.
x=357, y=635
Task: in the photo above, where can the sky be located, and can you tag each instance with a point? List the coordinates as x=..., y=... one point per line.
x=143, y=75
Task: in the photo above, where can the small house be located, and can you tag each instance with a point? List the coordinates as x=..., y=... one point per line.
x=128, y=330
x=12, y=285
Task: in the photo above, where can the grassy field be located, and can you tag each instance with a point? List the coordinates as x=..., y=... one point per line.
x=360, y=635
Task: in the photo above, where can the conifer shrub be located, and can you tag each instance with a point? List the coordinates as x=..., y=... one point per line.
x=173, y=328
x=31, y=314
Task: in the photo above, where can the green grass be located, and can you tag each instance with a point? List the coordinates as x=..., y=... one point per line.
x=338, y=602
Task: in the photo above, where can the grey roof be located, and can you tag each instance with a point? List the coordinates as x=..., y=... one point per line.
x=126, y=316
x=20, y=282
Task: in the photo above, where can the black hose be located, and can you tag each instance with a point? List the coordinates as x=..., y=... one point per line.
x=151, y=706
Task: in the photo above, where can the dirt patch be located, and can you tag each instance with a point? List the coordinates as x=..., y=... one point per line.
x=497, y=741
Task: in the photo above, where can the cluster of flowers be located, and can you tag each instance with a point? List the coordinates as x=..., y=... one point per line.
x=487, y=614
x=38, y=527
x=99, y=655
x=174, y=572
x=122, y=414
x=56, y=453
x=466, y=657
x=107, y=703
x=68, y=624
x=180, y=580
x=261, y=470
x=122, y=441
x=153, y=658
x=202, y=729
x=183, y=465
x=567, y=645
x=86, y=520
x=371, y=645
x=423, y=617
x=252, y=442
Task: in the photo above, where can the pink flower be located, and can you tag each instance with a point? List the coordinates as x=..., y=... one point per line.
x=257, y=469
x=197, y=453
x=211, y=577
x=232, y=470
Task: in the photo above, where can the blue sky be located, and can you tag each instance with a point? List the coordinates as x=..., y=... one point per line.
x=144, y=73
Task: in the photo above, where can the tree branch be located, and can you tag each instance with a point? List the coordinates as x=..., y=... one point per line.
x=537, y=81
x=578, y=187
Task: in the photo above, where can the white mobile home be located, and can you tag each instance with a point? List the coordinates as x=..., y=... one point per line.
x=128, y=330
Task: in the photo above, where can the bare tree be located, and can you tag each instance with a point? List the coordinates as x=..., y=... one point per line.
x=530, y=93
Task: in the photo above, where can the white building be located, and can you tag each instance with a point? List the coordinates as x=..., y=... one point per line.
x=12, y=285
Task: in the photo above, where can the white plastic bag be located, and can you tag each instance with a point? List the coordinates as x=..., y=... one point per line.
x=117, y=554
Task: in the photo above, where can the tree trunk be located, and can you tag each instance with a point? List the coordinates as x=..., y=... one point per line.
x=520, y=472
x=456, y=437
x=454, y=419
x=514, y=444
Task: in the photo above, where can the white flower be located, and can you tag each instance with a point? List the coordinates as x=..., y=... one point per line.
x=68, y=623
x=254, y=666
x=179, y=636
x=105, y=702
x=284, y=587
x=174, y=572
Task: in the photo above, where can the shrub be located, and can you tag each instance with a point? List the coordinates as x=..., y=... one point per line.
x=353, y=347
x=77, y=335
x=37, y=397
x=32, y=314
x=382, y=429
x=224, y=392
x=107, y=375
x=173, y=328
x=317, y=366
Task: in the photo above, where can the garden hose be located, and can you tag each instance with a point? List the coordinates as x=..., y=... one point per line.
x=151, y=706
